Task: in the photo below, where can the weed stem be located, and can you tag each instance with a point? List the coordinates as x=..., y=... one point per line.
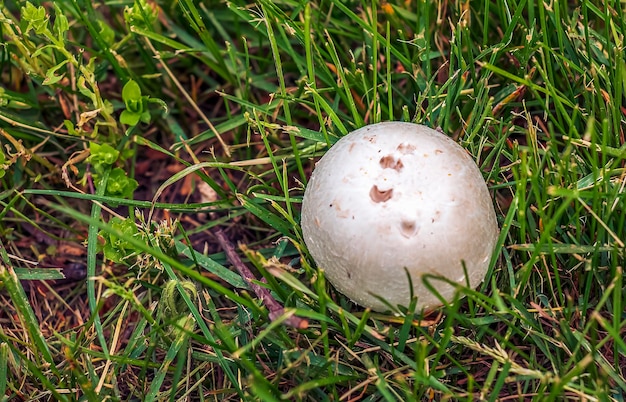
x=276, y=310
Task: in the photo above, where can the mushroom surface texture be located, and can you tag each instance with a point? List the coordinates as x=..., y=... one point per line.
x=392, y=199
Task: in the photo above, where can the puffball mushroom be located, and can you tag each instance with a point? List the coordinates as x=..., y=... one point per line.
x=395, y=198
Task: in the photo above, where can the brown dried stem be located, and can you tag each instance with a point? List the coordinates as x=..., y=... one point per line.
x=275, y=309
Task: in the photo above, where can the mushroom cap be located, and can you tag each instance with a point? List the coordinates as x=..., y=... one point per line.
x=395, y=198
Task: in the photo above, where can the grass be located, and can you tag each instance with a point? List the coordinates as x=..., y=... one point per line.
x=232, y=105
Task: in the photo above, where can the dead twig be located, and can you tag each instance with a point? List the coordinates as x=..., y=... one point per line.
x=275, y=308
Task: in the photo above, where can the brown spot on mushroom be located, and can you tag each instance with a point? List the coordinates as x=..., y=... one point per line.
x=378, y=195
x=438, y=151
x=351, y=147
x=436, y=217
x=341, y=213
x=408, y=228
x=405, y=148
x=389, y=162
x=370, y=139
x=349, y=274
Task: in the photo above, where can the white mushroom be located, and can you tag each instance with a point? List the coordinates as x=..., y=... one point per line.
x=396, y=198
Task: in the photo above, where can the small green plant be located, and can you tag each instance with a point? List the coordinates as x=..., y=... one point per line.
x=102, y=158
x=117, y=248
x=136, y=105
x=41, y=41
x=47, y=57
x=173, y=305
x=141, y=14
x=120, y=185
